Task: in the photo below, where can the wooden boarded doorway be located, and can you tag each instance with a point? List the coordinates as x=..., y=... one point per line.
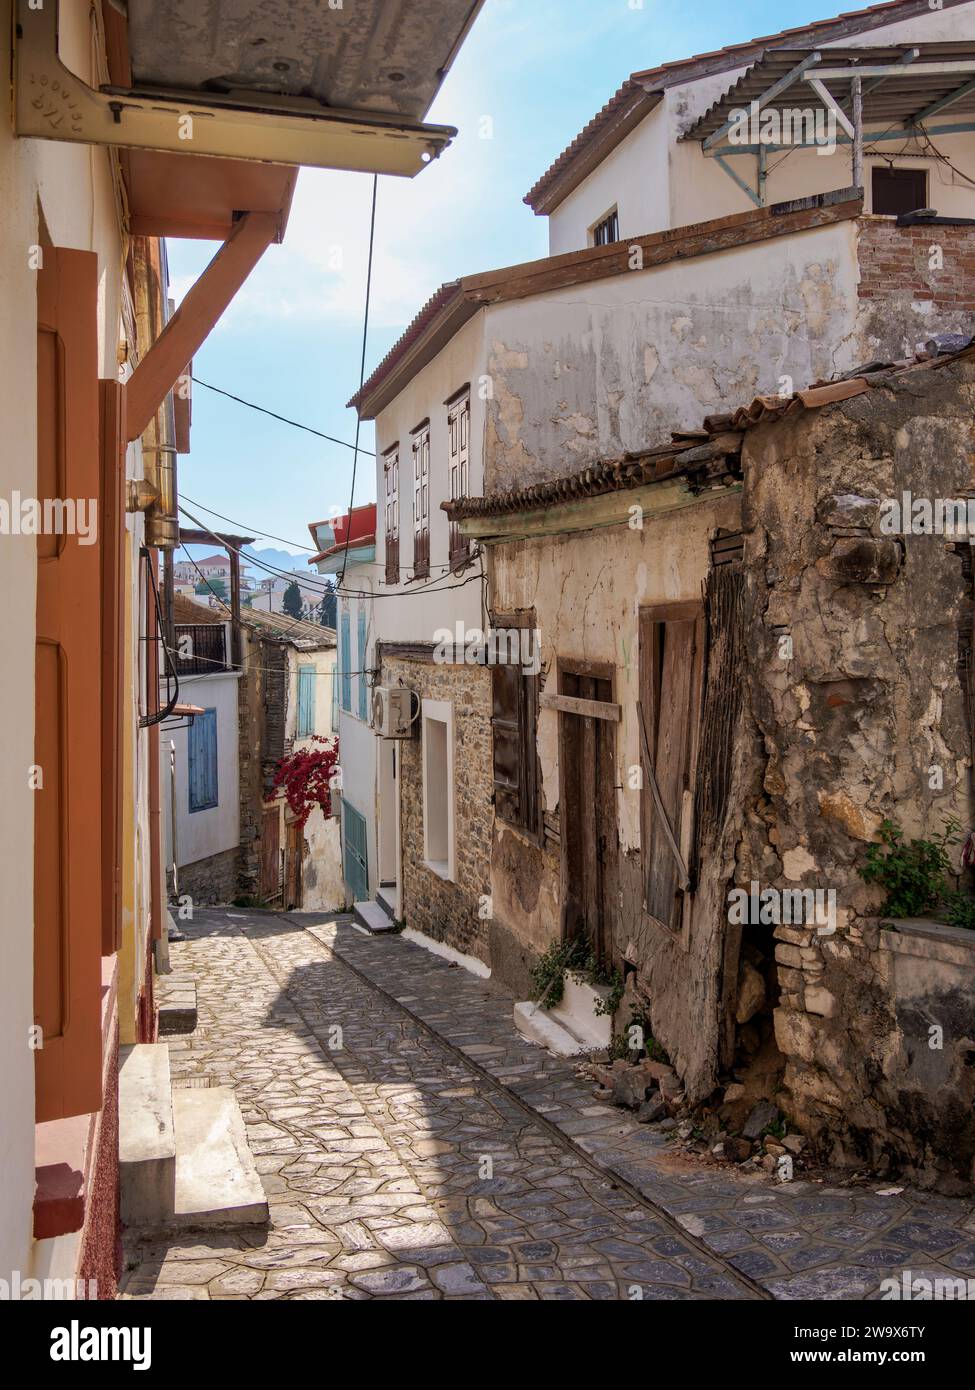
x=271, y=854
x=587, y=793
x=292, y=865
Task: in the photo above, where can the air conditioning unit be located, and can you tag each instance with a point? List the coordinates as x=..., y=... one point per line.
x=394, y=711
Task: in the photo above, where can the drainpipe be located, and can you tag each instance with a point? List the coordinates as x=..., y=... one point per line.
x=155, y=495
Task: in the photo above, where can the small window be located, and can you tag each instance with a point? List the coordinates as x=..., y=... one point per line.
x=421, y=503
x=517, y=791
x=608, y=230
x=306, y=701
x=438, y=787
x=202, y=761
x=898, y=190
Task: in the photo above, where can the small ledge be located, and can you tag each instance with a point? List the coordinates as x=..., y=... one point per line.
x=440, y=867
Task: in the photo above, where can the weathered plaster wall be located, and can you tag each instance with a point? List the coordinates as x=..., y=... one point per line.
x=587, y=590
x=852, y=725
x=595, y=370
x=451, y=912
x=914, y=281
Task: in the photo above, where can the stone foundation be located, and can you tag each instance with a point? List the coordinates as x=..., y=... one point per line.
x=212, y=880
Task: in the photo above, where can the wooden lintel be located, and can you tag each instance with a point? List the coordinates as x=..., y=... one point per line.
x=589, y=709
x=161, y=367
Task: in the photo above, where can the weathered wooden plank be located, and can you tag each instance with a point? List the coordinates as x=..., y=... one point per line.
x=589, y=709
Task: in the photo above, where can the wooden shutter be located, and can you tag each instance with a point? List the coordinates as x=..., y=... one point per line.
x=458, y=430
x=391, y=515
x=506, y=724
x=421, y=503
x=671, y=659
x=69, y=865
x=345, y=661
x=111, y=524
x=306, y=701
x=202, y=761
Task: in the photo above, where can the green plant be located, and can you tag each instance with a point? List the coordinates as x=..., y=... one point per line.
x=959, y=910
x=609, y=1005
x=619, y=1048
x=776, y=1130
x=913, y=874
x=548, y=973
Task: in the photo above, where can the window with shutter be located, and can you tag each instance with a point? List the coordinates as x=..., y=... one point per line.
x=421, y=502
x=306, y=701
x=391, y=514
x=362, y=643
x=671, y=665
x=458, y=433
x=70, y=861
x=517, y=794
x=345, y=660
x=202, y=761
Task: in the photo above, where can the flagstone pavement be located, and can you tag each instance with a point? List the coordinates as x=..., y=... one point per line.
x=413, y=1146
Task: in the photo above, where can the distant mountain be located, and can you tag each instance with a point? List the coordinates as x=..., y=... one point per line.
x=279, y=559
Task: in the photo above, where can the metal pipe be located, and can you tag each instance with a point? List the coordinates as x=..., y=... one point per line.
x=857, y=85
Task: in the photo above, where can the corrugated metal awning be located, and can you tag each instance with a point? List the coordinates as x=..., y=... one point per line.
x=918, y=82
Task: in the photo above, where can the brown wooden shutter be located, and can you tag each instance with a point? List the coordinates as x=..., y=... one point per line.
x=111, y=522
x=68, y=862
x=506, y=722
x=671, y=654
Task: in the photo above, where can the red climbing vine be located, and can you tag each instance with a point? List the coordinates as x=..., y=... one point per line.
x=306, y=776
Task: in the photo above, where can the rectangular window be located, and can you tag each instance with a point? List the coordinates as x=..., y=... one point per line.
x=306, y=701
x=607, y=230
x=391, y=514
x=345, y=660
x=898, y=190
x=517, y=792
x=202, y=761
x=421, y=502
x=363, y=644
x=458, y=434
x=438, y=787
x=671, y=666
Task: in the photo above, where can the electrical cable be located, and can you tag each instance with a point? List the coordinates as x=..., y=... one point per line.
x=362, y=372
x=275, y=416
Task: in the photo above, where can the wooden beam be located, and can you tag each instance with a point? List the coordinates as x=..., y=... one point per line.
x=188, y=329
x=589, y=709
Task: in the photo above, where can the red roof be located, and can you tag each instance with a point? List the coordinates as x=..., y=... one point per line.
x=362, y=531
x=641, y=91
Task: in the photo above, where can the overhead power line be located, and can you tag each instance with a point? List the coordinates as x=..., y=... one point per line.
x=296, y=424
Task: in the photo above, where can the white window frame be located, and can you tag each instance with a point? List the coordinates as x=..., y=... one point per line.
x=439, y=712
x=614, y=211
x=421, y=489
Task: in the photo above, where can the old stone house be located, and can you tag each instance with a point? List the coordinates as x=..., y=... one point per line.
x=745, y=670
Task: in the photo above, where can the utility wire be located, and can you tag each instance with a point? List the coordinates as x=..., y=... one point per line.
x=283, y=418
x=362, y=373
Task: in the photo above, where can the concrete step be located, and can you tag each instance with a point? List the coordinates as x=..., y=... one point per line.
x=386, y=898
x=373, y=918
x=217, y=1183
x=177, y=1005
x=147, y=1138
x=541, y=1027
x=576, y=1011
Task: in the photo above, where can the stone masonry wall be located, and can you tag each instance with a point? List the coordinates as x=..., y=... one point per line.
x=449, y=912
x=212, y=880
x=853, y=686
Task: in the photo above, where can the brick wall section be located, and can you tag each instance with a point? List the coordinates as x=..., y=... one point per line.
x=895, y=261
x=449, y=912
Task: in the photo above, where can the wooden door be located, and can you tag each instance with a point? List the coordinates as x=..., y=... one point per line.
x=590, y=836
x=292, y=877
x=271, y=854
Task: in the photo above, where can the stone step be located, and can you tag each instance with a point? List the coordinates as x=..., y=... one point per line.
x=541, y=1027
x=177, y=1005
x=386, y=898
x=217, y=1183
x=147, y=1139
x=576, y=1011
x=373, y=918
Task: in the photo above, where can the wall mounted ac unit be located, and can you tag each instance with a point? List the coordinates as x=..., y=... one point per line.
x=394, y=711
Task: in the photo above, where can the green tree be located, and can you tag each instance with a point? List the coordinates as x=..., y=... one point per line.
x=327, y=609
x=292, y=603
x=212, y=586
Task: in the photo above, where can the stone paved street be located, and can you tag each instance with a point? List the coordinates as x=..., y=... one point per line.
x=412, y=1145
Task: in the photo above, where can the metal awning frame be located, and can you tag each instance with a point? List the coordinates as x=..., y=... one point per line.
x=849, y=114
x=52, y=103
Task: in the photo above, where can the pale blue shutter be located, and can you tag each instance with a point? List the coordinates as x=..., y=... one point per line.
x=363, y=692
x=356, y=856
x=345, y=661
x=202, y=761
x=306, y=701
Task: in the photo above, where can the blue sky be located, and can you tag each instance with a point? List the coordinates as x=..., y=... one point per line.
x=291, y=341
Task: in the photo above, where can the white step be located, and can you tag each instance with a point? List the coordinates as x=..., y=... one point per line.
x=576, y=1011
x=541, y=1027
x=147, y=1140
x=217, y=1183
x=386, y=898
x=373, y=918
